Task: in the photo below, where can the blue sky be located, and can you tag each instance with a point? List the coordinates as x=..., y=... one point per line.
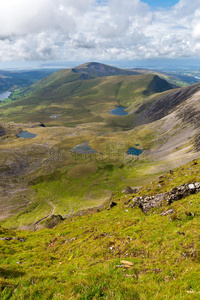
x=98, y=30
x=161, y=3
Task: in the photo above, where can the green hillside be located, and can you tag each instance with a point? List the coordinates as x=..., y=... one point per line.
x=74, y=96
x=110, y=253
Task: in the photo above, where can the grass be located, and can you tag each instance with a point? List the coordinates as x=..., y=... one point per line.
x=76, y=101
x=43, y=170
x=78, y=259
x=81, y=257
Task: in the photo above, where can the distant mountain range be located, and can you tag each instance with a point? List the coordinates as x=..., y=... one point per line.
x=10, y=80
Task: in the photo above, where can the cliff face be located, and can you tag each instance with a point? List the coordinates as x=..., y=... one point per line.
x=150, y=112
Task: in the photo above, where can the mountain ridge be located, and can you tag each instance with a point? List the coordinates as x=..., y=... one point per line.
x=102, y=70
x=84, y=86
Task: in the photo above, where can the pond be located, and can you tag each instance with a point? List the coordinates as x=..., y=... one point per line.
x=4, y=95
x=26, y=135
x=83, y=148
x=119, y=111
x=53, y=116
x=134, y=151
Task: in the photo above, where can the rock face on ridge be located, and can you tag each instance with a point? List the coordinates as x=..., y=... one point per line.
x=145, y=203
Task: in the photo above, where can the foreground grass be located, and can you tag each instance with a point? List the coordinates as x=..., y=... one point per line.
x=78, y=259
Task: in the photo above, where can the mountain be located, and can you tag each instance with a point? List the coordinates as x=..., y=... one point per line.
x=102, y=70
x=82, y=95
x=96, y=205
x=80, y=155
x=11, y=80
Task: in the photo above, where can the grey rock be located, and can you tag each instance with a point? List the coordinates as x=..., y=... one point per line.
x=177, y=193
x=128, y=190
x=167, y=212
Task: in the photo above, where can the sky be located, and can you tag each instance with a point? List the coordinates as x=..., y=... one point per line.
x=161, y=3
x=98, y=30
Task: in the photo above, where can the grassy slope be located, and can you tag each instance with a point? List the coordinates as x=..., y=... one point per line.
x=78, y=259
x=96, y=175
x=75, y=100
x=76, y=186
x=176, y=78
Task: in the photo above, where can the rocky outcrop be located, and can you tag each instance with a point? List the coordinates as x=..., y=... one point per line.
x=167, y=212
x=146, y=202
x=2, y=131
x=177, y=193
x=129, y=190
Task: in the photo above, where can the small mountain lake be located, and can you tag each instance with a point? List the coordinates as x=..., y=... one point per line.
x=83, y=148
x=4, y=95
x=26, y=135
x=134, y=151
x=53, y=116
x=119, y=111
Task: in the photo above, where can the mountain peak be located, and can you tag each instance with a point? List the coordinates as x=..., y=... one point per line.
x=102, y=70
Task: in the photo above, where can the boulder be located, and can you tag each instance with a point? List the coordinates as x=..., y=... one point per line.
x=128, y=190
x=112, y=204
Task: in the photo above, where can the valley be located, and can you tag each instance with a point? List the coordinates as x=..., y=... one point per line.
x=77, y=154
x=99, y=187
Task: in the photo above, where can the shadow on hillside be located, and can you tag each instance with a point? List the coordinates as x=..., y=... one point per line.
x=5, y=273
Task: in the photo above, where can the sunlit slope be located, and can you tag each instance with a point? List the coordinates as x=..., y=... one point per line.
x=75, y=98
x=83, y=257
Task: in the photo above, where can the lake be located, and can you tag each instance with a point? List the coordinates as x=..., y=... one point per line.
x=26, y=135
x=4, y=95
x=134, y=151
x=119, y=111
x=83, y=148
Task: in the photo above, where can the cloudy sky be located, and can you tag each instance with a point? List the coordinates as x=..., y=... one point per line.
x=45, y=30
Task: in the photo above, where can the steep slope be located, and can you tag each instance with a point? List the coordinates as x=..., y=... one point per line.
x=115, y=253
x=165, y=104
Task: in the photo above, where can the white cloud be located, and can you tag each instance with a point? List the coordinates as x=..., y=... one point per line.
x=91, y=29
